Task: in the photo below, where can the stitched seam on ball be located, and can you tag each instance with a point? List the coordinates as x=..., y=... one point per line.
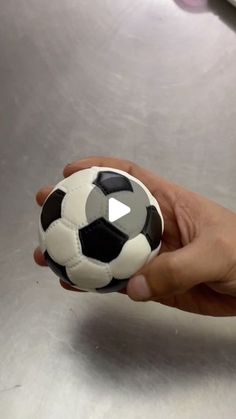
x=78, y=248
x=99, y=210
x=58, y=187
x=101, y=203
x=78, y=244
x=76, y=264
x=126, y=230
x=65, y=200
x=109, y=271
x=63, y=206
x=107, y=209
x=68, y=224
x=75, y=188
x=71, y=225
x=106, y=267
x=78, y=258
x=114, y=261
x=53, y=225
x=66, y=182
x=98, y=263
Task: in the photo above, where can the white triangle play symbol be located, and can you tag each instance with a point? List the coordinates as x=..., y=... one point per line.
x=117, y=209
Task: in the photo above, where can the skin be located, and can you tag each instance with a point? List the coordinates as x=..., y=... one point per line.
x=196, y=268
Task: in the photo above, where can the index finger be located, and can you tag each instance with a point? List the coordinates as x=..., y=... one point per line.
x=42, y=194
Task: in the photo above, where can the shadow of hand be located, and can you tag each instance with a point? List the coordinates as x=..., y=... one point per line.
x=141, y=353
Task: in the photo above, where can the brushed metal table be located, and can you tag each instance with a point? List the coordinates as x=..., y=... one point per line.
x=142, y=79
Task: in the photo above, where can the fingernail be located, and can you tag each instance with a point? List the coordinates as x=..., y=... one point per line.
x=138, y=289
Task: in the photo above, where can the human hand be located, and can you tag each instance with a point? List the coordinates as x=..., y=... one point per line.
x=196, y=268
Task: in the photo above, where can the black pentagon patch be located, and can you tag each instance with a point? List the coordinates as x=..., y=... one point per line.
x=113, y=286
x=101, y=240
x=110, y=182
x=59, y=270
x=153, y=227
x=52, y=208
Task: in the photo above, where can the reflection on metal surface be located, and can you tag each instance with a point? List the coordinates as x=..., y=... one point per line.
x=193, y=5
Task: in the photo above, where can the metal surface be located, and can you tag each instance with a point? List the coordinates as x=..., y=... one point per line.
x=146, y=80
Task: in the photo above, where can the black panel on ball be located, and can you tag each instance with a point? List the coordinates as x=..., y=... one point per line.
x=113, y=286
x=110, y=182
x=153, y=227
x=101, y=240
x=59, y=270
x=52, y=208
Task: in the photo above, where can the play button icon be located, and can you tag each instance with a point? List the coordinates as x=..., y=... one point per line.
x=111, y=201
x=117, y=210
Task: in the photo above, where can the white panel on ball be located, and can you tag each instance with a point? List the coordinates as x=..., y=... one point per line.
x=74, y=205
x=88, y=275
x=61, y=242
x=133, y=256
x=86, y=176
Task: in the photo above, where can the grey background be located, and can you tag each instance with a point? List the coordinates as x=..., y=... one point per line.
x=143, y=79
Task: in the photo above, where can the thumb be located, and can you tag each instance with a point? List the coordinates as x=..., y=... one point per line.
x=176, y=272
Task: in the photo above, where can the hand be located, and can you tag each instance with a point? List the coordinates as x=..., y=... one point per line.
x=196, y=268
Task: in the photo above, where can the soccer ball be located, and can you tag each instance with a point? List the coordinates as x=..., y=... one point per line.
x=98, y=227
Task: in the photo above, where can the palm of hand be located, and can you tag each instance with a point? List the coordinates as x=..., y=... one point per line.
x=201, y=298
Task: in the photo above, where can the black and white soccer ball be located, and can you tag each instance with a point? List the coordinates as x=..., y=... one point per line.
x=86, y=243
